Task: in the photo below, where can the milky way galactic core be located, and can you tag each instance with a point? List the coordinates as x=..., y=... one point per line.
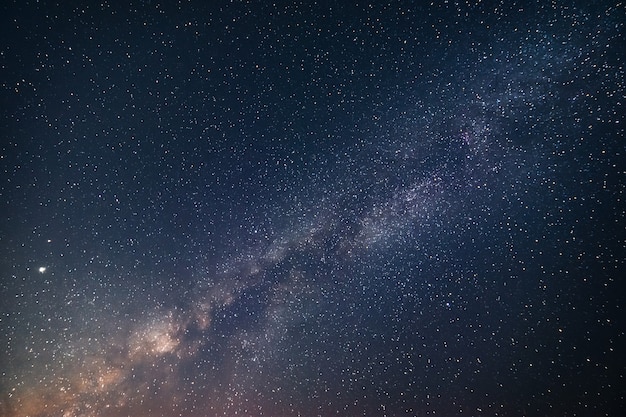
x=312, y=209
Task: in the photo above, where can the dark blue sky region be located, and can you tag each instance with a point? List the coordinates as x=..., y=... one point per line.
x=385, y=208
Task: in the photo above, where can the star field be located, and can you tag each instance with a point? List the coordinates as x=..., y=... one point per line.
x=310, y=209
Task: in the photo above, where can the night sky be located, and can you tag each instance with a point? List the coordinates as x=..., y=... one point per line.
x=312, y=208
